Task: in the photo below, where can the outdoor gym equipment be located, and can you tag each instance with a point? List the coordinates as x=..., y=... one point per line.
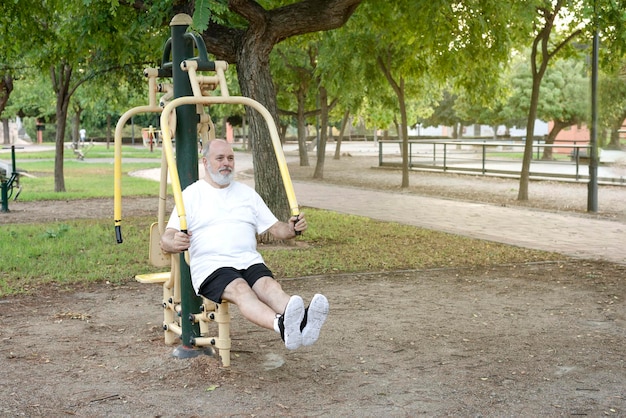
x=182, y=108
x=9, y=183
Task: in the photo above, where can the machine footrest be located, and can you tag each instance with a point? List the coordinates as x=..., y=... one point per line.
x=153, y=277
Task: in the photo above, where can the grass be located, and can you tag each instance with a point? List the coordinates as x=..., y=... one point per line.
x=64, y=254
x=70, y=253
x=339, y=243
x=77, y=252
x=84, y=179
x=97, y=151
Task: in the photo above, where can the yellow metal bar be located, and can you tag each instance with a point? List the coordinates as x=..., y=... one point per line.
x=171, y=161
x=117, y=161
x=246, y=101
x=162, y=194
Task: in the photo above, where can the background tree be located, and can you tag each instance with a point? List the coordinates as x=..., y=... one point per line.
x=338, y=70
x=577, y=20
x=74, y=44
x=31, y=98
x=245, y=34
x=446, y=114
x=612, y=107
x=6, y=88
x=293, y=63
x=493, y=112
x=296, y=66
x=11, y=64
x=418, y=56
x=543, y=49
x=565, y=100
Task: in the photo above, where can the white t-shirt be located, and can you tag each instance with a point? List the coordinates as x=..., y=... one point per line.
x=223, y=225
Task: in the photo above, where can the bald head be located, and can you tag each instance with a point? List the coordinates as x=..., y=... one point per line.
x=219, y=163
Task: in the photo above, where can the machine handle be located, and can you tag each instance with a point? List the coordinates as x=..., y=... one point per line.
x=294, y=225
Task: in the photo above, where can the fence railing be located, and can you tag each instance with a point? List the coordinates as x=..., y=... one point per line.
x=565, y=161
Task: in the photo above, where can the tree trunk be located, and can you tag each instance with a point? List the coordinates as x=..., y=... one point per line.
x=522, y=193
x=548, y=153
x=321, y=147
x=283, y=133
x=5, y=131
x=61, y=81
x=537, y=72
x=256, y=83
x=6, y=87
x=109, y=125
x=614, y=141
x=402, y=129
x=405, y=136
x=302, y=133
x=76, y=127
x=344, y=123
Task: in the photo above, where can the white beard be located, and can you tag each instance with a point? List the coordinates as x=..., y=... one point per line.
x=222, y=179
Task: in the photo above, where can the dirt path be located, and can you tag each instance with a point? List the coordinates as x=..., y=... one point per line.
x=536, y=340
x=529, y=340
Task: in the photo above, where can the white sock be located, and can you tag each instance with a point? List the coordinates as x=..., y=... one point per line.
x=276, y=328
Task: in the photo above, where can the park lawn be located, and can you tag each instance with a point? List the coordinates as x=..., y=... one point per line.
x=70, y=253
x=83, y=180
x=98, y=150
x=76, y=252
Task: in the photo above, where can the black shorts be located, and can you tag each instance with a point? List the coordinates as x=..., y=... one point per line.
x=213, y=286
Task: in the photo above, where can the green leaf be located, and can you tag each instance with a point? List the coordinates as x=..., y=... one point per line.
x=201, y=16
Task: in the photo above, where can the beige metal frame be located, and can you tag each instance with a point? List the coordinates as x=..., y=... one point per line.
x=201, y=87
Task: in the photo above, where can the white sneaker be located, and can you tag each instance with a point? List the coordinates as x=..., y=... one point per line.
x=314, y=317
x=289, y=323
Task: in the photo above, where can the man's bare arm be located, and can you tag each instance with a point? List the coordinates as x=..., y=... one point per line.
x=174, y=241
x=286, y=230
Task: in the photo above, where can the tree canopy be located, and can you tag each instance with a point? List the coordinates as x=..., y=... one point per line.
x=244, y=33
x=390, y=63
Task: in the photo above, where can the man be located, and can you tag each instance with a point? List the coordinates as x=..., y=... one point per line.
x=223, y=218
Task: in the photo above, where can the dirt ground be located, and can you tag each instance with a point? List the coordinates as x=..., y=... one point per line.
x=543, y=339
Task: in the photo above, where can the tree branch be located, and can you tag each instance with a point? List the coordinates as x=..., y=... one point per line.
x=309, y=16
x=276, y=25
x=565, y=42
x=250, y=10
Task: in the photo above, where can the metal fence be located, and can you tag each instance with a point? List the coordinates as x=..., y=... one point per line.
x=568, y=162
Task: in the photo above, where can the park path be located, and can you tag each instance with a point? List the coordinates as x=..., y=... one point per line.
x=575, y=235
x=572, y=234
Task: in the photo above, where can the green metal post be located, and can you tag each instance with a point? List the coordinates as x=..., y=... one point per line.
x=5, y=196
x=9, y=178
x=187, y=165
x=592, y=187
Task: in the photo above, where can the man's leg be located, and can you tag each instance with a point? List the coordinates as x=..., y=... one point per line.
x=262, y=305
x=270, y=292
x=239, y=292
